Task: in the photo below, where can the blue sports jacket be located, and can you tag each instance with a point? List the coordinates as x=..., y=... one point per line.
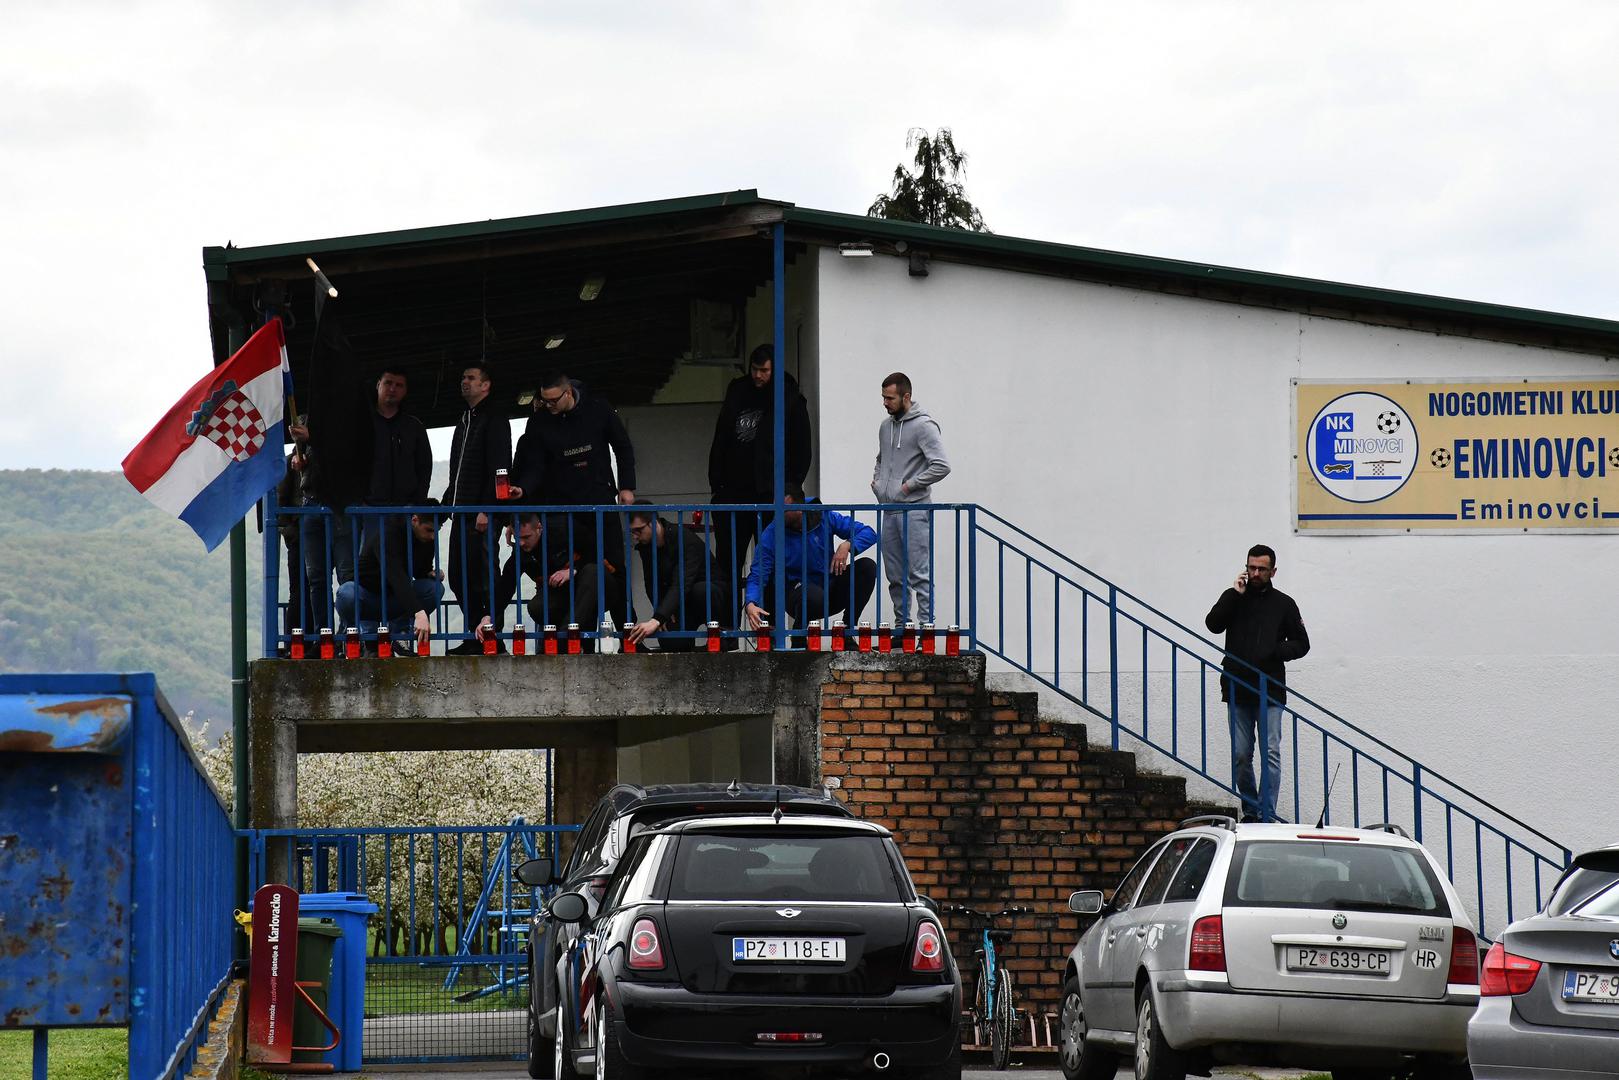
x=826, y=526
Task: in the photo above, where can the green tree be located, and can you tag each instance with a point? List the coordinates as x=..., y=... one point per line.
x=933, y=194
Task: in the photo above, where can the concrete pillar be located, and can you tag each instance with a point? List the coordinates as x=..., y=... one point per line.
x=273, y=765
x=583, y=775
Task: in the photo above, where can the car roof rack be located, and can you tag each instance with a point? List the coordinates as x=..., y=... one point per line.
x=1390, y=827
x=1219, y=821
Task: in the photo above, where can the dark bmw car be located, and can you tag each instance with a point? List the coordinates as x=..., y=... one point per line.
x=623, y=813
x=745, y=942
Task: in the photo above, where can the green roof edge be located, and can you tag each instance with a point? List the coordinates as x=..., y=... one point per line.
x=939, y=238
x=492, y=228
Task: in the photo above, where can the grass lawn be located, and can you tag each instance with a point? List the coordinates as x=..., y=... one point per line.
x=75, y=1054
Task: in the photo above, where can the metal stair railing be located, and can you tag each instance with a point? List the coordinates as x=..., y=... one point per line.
x=1156, y=681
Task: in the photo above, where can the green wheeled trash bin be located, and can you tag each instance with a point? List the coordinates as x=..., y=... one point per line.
x=317, y=938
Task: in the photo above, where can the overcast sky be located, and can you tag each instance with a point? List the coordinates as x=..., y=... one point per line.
x=1464, y=149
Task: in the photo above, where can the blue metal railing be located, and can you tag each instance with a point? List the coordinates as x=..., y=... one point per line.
x=602, y=536
x=446, y=901
x=183, y=890
x=1153, y=679
x=1156, y=682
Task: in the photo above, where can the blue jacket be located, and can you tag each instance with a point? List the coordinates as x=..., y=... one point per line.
x=817, y=541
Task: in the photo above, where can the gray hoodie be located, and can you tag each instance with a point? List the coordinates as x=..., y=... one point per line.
x=910, y=451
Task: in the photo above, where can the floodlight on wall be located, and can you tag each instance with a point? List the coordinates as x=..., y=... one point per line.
x=592, y=287
x=858, y=250
x=526, y=398
x=554, y=340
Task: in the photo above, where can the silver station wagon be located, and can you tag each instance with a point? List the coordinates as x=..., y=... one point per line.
x=1324, y=948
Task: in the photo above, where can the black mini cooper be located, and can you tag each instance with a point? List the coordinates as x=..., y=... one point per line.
x=744, y=942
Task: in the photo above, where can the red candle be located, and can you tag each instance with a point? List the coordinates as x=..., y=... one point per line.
x=812, y=640
x=928, y=646
x=907, y=639
x=328, y=647
x=351, y=644
x=519, y=640
x=713, y=637
x=503, y=487
x=548, y=643
x=864, y=639
x=762, y=638
x=385, y=645
x=489, y=638
x=295, y=645
x=838, y=630
x=885, y=638
x=573, y=639
x=629, y=642
x=952, y=641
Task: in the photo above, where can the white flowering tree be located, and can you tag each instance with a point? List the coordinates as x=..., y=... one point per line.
x=417, y=790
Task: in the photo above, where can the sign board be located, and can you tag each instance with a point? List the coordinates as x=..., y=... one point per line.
x=1490, y=456
x=272, y=974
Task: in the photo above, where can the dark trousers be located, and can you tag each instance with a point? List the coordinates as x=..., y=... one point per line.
x=559, y=605
x=733, y=531
x=698, y=611
x=810, y=601
x=327, y=544
x=470, y=577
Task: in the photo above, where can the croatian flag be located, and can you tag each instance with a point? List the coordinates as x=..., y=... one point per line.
x=218, y=450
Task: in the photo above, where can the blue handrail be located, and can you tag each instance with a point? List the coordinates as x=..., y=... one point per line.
x=1480, y=844
x=1149, y=676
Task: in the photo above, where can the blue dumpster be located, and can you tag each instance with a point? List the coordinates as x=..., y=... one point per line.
x=350, y=911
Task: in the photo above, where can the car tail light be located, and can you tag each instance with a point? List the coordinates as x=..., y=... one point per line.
x=1463, y=957
x=1208, y=945
x=646, y=953
x=928, y=955
x=1506, y=974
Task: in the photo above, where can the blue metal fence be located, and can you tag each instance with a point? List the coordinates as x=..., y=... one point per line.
x=447, y=950
x=121, y=873
x=1110, y=654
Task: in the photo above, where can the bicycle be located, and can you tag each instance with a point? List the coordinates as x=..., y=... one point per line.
x=994, y=1007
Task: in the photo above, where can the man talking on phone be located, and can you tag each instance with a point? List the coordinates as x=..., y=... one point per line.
x=1263, y=631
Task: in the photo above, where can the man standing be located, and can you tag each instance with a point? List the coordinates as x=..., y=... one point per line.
x=481, y=445
x=1263, y=631
x=910, y=460
x=682, y=581
x=742, y=457
x=563, y=459
x=396, y=578
x=821, y=580
x=401, y=457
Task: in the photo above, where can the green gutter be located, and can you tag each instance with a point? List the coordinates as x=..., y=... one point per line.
x=936, y=240
x=486, y=230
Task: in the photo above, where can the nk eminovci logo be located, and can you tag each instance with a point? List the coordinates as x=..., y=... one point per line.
x=1362, y=447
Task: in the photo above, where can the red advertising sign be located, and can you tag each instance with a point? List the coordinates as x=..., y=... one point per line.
x=272, y=974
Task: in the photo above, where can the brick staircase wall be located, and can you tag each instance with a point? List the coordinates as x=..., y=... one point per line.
x=991, y=805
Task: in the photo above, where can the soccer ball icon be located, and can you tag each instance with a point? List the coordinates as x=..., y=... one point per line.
x=1388, y=422
x=1440, y=458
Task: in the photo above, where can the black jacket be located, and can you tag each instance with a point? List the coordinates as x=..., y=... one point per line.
x=482, y=444
x=681, y=563
x=1263, y=628
x=401, y=461
x=741, y=459
x=537, y=565
x=562, y=458
x=408, y=559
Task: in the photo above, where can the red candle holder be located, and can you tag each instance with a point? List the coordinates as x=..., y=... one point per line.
x=385, y=645
x=812, y=637
x=863, y=641
x=713, y=641
x=885, y=638
x=629, y=642
x=295, y=644
x=490, y=641
x=503, y=486
x=351, y=644
x=761, y=637
x=929, y=646
x=328, y=644
x=952, y=641
x=838, y=632
x=575, y=646
x=519, y=640
x=548, y=639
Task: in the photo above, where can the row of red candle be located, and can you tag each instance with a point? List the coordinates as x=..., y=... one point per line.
x=885, y=639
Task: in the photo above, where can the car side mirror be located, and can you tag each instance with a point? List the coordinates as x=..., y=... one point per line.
x=1085, y=902
x=568, y=907
x=536, y=872
x=928, y=902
